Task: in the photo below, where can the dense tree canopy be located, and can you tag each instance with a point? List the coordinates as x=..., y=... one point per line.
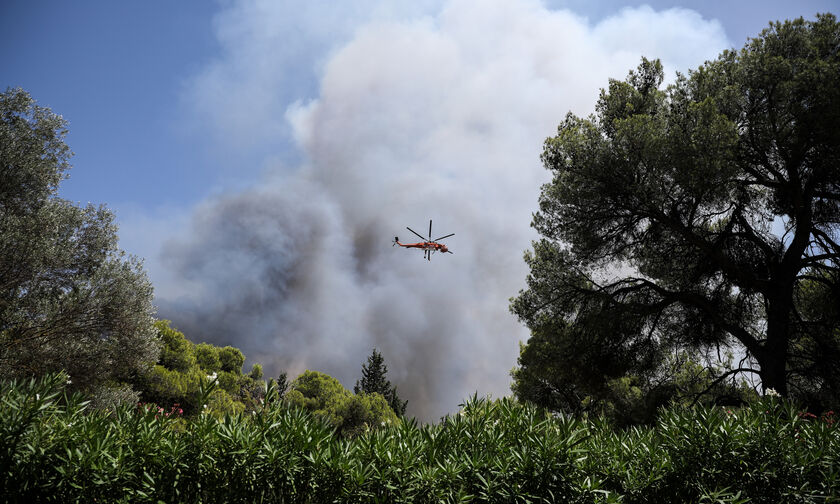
x=326, y=397
x=69, y=298
x=699, y=218
x=184, y=368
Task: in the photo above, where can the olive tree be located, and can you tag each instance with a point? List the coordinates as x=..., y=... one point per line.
x=69, y=298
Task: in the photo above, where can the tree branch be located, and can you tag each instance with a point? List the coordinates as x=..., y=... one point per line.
x=719, y=379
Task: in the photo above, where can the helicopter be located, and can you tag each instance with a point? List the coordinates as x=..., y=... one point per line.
x=429, y=246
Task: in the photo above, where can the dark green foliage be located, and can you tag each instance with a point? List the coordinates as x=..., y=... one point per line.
x=281, y=384
x=324, y=396
x=177, y=352
x=231, y=360
x=207, y=357
x=69, y=298
x=183, y=368
x=256, y=372
x=658, y=225
x=558, y=369
x=817, y=351
x=374, y=381
x=54, y=450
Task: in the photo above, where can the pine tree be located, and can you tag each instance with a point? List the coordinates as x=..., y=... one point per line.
x=373, y=380
x=694, y=218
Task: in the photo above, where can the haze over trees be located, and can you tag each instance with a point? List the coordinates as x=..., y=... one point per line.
x=699, y=219
x=71, y=301
x=69, y=298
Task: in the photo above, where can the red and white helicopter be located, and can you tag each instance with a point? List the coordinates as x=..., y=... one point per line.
x=429, y=246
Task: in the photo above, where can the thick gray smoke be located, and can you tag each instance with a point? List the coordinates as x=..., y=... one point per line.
x=440, y=117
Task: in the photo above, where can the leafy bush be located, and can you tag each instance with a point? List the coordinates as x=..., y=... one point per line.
x=177, y=351
x=54, y=449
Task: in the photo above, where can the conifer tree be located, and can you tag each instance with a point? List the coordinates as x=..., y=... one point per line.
x=373, y=380
x=692, y=219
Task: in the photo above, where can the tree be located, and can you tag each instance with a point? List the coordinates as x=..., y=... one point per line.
x=280, y=385
x=231, y=359
x=816, y=354
x=184, y=367
x=374, y=381
x=692, y=218
x=176, y=378
x=562, y=370
x=69, y=298
x=351, y=414
x=207, y=357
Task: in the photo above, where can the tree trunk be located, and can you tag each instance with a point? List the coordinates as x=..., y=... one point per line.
x=773, y=361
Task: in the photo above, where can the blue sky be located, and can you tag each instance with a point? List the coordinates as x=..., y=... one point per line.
x=260, y=155
x=114, y=70
x=117, y=71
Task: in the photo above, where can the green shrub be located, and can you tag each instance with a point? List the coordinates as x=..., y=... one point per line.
x=318, y=393
x=54, y=449
x=362, y=412
x=228, y=382
x=177, y=353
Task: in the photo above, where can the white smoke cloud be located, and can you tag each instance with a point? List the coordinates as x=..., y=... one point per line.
x=439, y=114
x=271, y=53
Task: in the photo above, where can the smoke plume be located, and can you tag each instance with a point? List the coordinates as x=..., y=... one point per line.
x=437, y=116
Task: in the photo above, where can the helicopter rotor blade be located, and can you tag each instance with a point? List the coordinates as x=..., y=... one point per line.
x=430, y=230
x=415, y=232
x=442, y=237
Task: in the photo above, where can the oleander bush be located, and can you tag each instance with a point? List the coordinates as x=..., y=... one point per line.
x=53, y=448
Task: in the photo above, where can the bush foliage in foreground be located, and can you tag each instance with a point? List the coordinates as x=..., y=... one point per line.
x=52, y=449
